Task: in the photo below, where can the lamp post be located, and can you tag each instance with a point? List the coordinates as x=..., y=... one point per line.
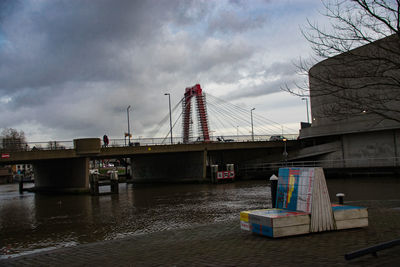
x=129, y=129
x=306, y=99
x=252, y=130
x=285, y=154
x=170, y=116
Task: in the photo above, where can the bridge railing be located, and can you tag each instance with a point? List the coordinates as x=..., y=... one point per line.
x=28, y=146
x=121, y=142
x=215, y=138
x=329, y=164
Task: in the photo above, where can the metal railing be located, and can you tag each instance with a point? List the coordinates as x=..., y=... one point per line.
x=331, y=164
x=372, y=250
x=141, y=141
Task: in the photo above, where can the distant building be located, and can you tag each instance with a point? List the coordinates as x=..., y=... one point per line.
x=22, y=169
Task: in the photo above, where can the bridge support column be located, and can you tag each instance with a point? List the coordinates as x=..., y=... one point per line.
x=62, y=175
x=205, y=164
x=169, y=167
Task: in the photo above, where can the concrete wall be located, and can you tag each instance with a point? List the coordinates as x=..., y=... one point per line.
x=359, y=150
x=64, y=175
x=374, y=149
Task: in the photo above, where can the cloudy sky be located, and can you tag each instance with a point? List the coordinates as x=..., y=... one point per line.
x=69, y=69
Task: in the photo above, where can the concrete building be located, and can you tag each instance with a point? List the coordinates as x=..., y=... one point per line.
x=355, y=108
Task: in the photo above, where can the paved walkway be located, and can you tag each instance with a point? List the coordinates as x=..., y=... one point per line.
x=224, y=244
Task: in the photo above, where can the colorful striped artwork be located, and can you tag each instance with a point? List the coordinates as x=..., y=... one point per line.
x=302, y=206
x=295, y=189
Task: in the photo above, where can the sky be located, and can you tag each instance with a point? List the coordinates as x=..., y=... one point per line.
x=69, y=69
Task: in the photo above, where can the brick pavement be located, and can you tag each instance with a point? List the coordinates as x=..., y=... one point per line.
x=224, y=244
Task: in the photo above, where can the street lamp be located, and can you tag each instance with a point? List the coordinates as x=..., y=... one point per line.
x=170, y=116
x=129, y=129
x=284, y=154
x=252, y=130
x=306, y=99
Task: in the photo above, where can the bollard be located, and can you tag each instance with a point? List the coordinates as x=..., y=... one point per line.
x=230, y=168
x=114, y=182
x=274, y=188
x=91, y=183
x=21, y=184
x=94, y=184
x=214, y=170
x=340, y=197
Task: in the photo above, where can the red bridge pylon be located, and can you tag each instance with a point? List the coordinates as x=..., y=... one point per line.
x=201, y=114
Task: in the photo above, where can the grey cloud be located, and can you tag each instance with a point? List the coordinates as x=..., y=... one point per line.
x=229, y=21
x=275, y=76
x=74, y=66
x=7, y=7
x=71, y=40
x=192, y=11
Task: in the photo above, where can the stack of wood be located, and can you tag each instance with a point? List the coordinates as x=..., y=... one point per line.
x=275, y=222
x=350, y=216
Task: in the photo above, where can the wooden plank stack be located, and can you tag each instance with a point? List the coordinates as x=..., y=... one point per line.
x=303, y=206
x=350, y=216
x=276, y=222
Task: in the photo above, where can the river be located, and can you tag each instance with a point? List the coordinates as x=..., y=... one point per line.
x=35, y=222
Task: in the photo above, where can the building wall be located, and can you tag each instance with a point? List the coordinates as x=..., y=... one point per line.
x=364, y=75
x=373, y=149
x=360, y=150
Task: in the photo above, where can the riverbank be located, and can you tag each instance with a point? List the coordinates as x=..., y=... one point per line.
x=224, y=244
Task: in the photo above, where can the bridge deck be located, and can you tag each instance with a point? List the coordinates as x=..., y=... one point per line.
x=110, y=152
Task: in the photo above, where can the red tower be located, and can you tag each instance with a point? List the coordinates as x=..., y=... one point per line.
x=201, y=114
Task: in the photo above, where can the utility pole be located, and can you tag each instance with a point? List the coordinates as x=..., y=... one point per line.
x=129, y=129
x=308, y=117
x=252, y=130
x=170, y=116
x=285, y=154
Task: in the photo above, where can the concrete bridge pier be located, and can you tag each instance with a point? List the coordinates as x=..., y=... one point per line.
x=170, y=167
x=67, y=175
x=62, y=175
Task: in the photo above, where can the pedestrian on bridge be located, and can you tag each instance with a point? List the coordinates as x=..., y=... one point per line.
x=105, y=140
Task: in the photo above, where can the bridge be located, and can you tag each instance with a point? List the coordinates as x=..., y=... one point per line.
x=64, y=166
x=68, y=169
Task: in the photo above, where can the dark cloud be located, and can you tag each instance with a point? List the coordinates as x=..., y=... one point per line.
x=7, y=7
x=65, y=41
x=74, y=66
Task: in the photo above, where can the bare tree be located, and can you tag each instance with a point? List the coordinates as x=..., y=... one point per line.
x=12, y=140
x=362, y=71
x=53, y=145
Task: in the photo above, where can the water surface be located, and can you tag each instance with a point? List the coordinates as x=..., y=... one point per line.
x=34, y=222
